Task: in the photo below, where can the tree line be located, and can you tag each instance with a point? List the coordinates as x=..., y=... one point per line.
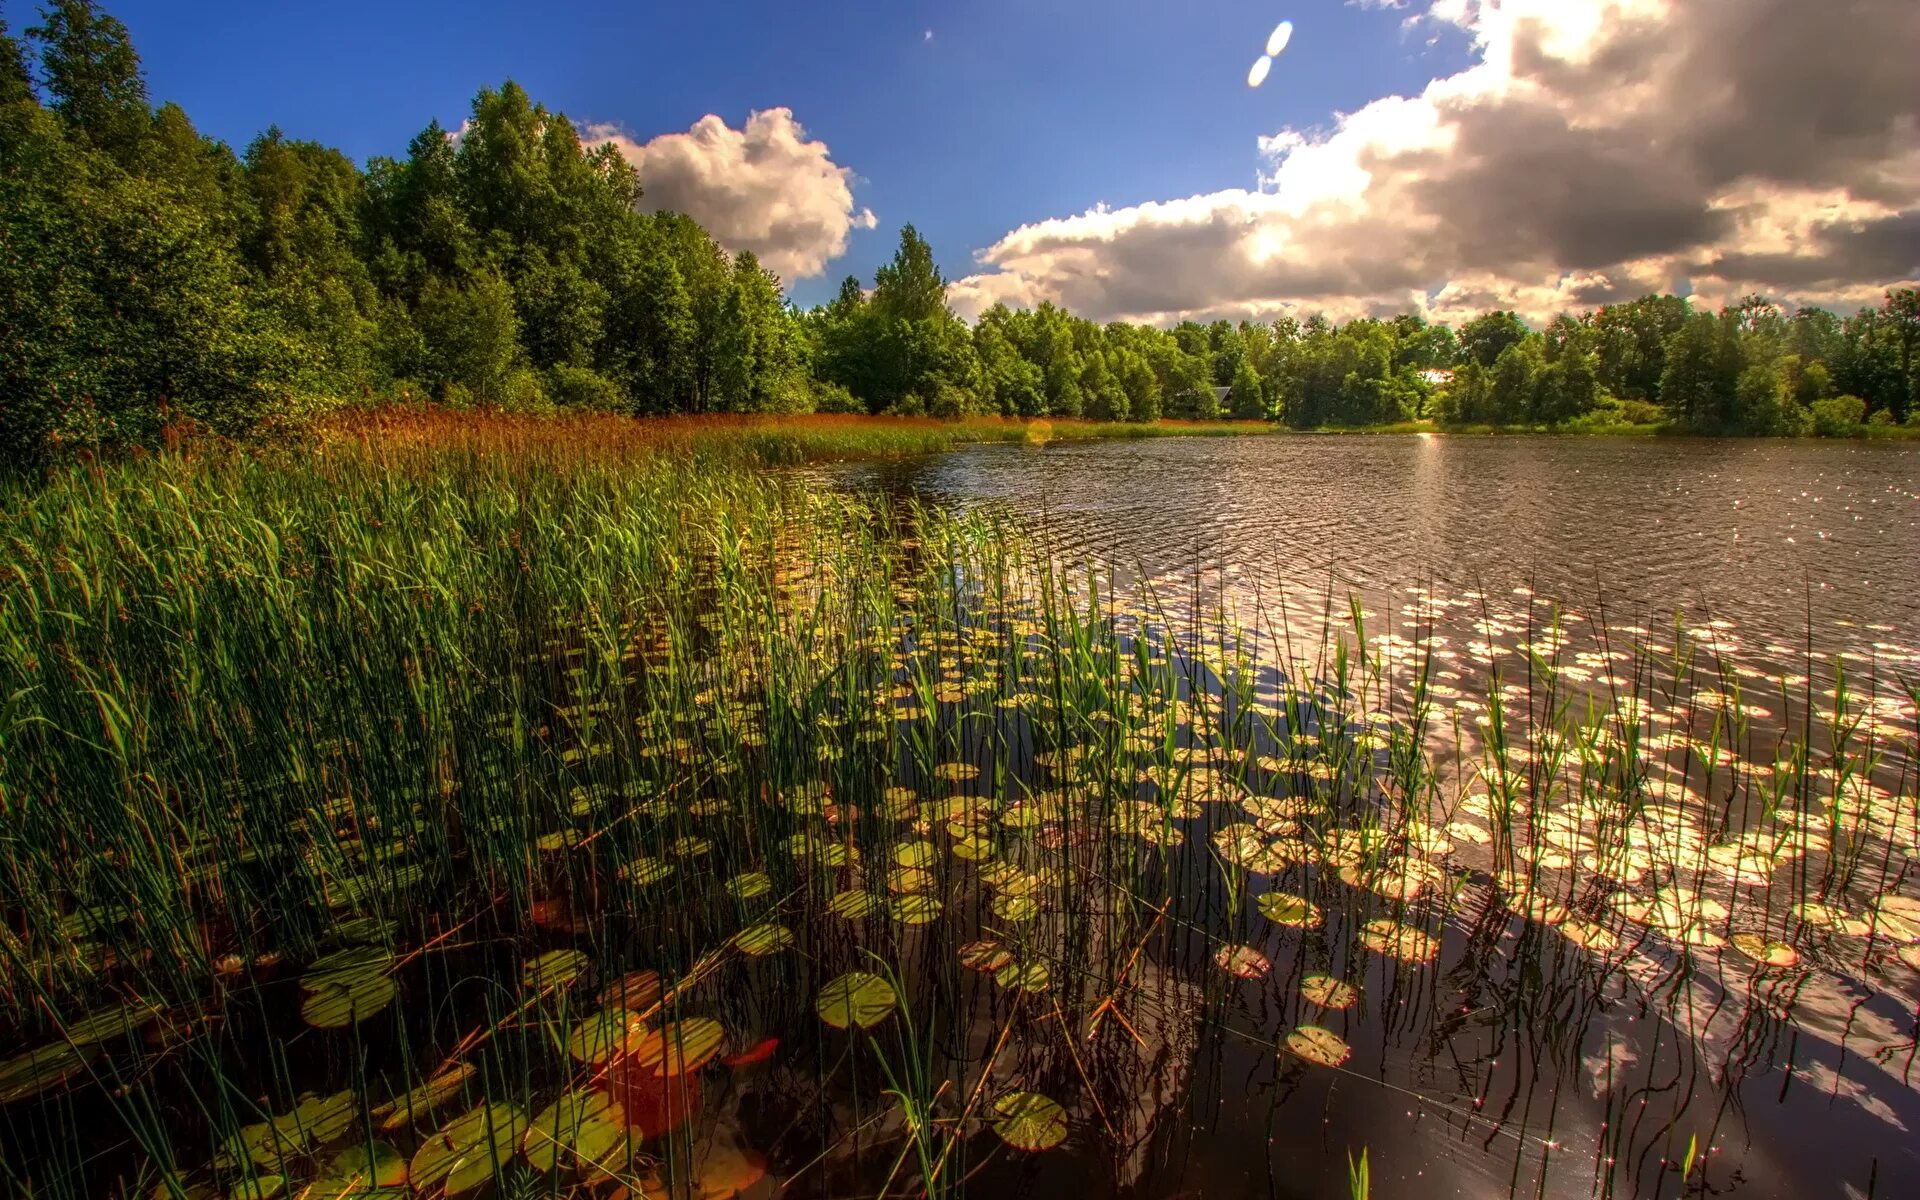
x=150, y=276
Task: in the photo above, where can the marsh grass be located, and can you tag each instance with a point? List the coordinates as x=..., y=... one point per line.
x=489, y=801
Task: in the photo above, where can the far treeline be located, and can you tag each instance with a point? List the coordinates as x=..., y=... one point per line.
x=150, y=278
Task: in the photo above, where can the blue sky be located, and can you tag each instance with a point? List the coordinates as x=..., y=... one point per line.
x=1010, y=113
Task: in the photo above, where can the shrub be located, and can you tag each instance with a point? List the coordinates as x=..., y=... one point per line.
x=835, y=398
x=1881, y=419
x=1838, y=417
x=580, y=387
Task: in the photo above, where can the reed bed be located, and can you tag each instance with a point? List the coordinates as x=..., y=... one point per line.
x=576, y=807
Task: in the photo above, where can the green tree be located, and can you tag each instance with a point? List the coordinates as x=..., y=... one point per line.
x=472, y=338
x=1486, y=337
x=16, y=84
x=1246, y=398
x=93, y=78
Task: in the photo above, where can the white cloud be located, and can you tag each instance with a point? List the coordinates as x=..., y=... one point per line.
x=1594, y=150
x=768, y=187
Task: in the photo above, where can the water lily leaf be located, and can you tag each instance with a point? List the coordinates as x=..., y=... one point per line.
x=856, y=998
x=584, y=1126
x=636, y=991
x=1319, y=1045
x=1766, y=953
x=347, y=966
x=750, y=884
x=554, y=969
x=1285, y=908
x=595, y=1039
x=1328, y=992
x=357, y=1171
x=1242, y=962
x=1029, y=1121
x=853, y=903
x=1388, y=937
x=1015, y=909
x=724, y=1172
x=1024, y=977
x=914, y=854
x=37, y=1070
x=915, y=910
x=111, y=1023
x=403, y=1110
x=677, y=1047
x=763, y=939
x=985, y=955
x=642, y=872
x=347, y=1001
x=467, y=1151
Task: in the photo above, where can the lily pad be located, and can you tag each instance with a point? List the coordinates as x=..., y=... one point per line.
x=985, y=955
x=750, y=884
x=1242, y=962
x=37, y=1070
x=1319, y=1045
x=1029, y=1121
x=856, y=998
x=1766, y=953
x=1024, y=977
x=343, y=1002
x=554, y=969
x=853, y=903
x=585, y=1126
x=678, y=1047
x=358, y=1171
x=595, y=1039
x=1285, y=908
x=915, y=910
x=1328, y=992
x=467, y=1151
x=761, y=940
x=636, y=991
x=1389, y=937
x=445, y=1084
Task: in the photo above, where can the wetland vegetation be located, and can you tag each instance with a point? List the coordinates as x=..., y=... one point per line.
x=909, y=762
x=558, y=807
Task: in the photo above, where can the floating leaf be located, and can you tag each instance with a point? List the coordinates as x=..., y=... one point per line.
x=595, y=1039
x=1328, y=992
x=853, y=903
x=915, y=910
x=1029, y=1121
x=1242, y=962
x=1388, y=937
x=1766, y=953
x=723, y=1172
x=914, y=854
x=37, y=1070
x=636, y=991
x=856, y=998
x=749, y=885
x=403, y=1110
x=554, y=969
x=109, y=1024
x=763, y=939
x=343, y=1002
x=360, y=1170
x=467, y=1151
x=677, y=1047
x=1319, y=1045
x=1024, y=977
x=985, y=955
x=1285, y=908
x=581, y=1126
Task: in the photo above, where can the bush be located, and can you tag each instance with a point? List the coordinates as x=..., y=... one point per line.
x=1881, y=419
x=835, y=398
x=1838, y=417
x=580, y=387
x=521, y=391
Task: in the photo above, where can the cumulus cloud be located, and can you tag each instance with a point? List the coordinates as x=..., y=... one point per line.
x=1594, y=150
x=768, y=187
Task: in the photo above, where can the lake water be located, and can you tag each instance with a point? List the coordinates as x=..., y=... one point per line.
x=1770, y=537
x=1521, y=1065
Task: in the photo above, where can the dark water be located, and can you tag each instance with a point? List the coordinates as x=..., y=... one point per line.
x=1766, y=535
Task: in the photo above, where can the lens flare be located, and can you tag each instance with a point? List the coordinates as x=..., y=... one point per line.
x=1258, y=74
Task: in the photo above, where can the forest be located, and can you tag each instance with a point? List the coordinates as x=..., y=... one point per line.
x=151, y=279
